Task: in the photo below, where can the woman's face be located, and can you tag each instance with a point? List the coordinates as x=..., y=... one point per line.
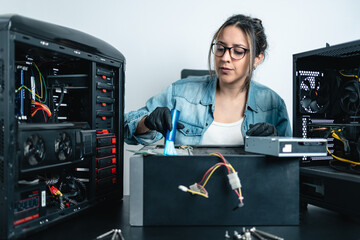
x=230, y=70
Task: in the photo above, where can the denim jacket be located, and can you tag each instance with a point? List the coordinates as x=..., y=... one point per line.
x=194, y=97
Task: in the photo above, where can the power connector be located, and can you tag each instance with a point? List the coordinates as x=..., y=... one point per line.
x=183, y=188
x=195, y=188
x=234, y=180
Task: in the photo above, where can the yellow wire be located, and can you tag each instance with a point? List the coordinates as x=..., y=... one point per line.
x=210, y=174
x=240, y=194
x=41, y=77
x=207, y=179
x=226, y=164
x=198, y=193
x=345, y=75
x=215, y=154
x=23, y=86
x=229, y=165
x=43, y=106
x=342, y=159
x=336, y=136
x=336, y=157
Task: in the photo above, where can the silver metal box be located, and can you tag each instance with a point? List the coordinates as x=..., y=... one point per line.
x=286, y=146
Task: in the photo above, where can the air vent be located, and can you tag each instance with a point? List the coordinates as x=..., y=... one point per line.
x=343, y=51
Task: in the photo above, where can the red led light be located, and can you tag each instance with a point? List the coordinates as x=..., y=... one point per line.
x=104, y=131
x=31, y=217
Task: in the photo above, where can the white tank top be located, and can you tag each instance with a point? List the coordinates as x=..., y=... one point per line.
x=228, y=134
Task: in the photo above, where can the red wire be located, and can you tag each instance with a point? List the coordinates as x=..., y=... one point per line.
x=202, y=188
x=222, y=157
x=44, y=115
x=207, y=172
x=34, y=111
x=237, y=193
x=225, y=163
x=39, y=107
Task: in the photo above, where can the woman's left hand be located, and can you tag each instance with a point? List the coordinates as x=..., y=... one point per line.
x=262, y=129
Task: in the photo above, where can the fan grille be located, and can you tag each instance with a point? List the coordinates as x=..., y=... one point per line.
x=350, y=97
x=63, y=146
x=309, y=87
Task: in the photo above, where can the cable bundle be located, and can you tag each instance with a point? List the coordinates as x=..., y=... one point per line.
x=38, y=102
x=199, y=188
x=39, y=106
x=43, y=96
x=337, y=134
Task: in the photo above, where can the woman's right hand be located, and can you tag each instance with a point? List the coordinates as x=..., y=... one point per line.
x=159, y=120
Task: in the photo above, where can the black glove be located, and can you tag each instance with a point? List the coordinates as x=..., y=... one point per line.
x=262, y=129
x=160, y=120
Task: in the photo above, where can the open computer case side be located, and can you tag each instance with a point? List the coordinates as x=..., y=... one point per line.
x=326, y=96
x=61, y=119
x=326, y=102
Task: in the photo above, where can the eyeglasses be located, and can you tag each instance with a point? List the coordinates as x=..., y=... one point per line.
x=235, y=52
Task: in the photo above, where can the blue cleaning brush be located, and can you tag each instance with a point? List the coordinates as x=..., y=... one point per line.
x=170, y=135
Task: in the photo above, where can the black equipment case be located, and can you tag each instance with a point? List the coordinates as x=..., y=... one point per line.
x=61, y=119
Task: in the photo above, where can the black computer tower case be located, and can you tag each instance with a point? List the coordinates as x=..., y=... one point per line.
x=326, y=104
x=327, y=98
x=61, y=119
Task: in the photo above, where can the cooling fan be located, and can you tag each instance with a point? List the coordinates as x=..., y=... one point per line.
x=63, y=146
x=314, y=96
x=34, y=150
x=350, y=97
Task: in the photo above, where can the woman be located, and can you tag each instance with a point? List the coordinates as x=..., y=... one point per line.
x=217, y=109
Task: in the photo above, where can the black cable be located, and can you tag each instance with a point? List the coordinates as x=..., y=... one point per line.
x=73, y=189
x=61, y=202
x=343, y=167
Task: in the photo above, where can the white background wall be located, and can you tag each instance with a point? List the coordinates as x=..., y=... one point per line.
x=161, y=37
